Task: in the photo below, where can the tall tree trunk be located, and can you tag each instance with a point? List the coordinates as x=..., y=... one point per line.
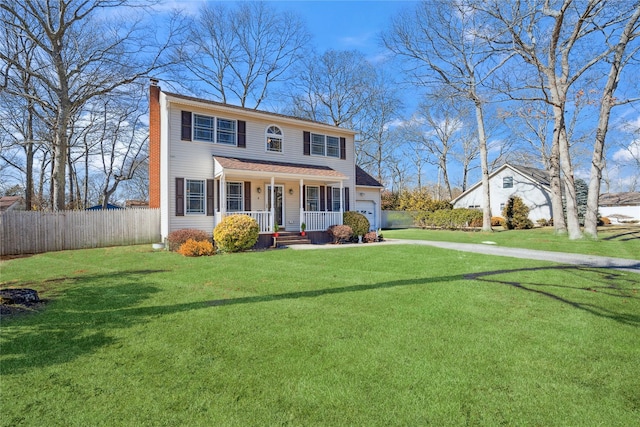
x=28, y=193
x=607, y=102
x=484, y=163
x=573, y=224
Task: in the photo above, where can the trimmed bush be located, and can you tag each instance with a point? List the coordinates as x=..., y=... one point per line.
x=370, y=237
x=340, y=233
x=179, y=237
x=542, y=222
x=236, y=233
x=497, y=221
x=359, y=223
x=196, y=248
x=449, y=218
x=516, y=214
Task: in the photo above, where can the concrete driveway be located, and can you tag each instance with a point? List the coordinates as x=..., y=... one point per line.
x=629, y=265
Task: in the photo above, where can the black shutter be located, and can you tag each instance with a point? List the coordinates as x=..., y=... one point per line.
x=247, y=196
x=343, y=148
x=322, y=197
x=307, y=143
x=179, y=196
x=186, y=125
x=210, y=198
x=304, y=197
x=242, y=134
x=346, y=199
x=329, y=198
x=218, y=195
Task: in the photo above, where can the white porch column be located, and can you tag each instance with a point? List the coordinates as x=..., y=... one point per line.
x=341, y=197
x=301, y=201
x=272, y=196
x=223, y=195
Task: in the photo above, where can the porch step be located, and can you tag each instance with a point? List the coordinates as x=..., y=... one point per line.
x=288, y=238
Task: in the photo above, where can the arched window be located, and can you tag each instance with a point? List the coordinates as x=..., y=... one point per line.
x=274, y=139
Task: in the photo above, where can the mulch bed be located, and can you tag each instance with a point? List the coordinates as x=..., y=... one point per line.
x=18, y=301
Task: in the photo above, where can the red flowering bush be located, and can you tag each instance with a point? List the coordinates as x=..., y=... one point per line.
x=179, y=237
x=340, y=233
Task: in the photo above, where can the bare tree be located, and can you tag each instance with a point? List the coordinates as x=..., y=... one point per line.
x=439, y=44
x=376, y=139
x=241, y=52
x=335, y=87
x=559, y=41
x=619, y=59
x=81, y=52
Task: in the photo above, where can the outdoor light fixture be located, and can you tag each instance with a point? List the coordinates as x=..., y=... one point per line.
x=291, y=191
x=259, y=190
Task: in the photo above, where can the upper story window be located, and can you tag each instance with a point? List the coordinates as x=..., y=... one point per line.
x=507, y=182
x=274, y=139
x=333, y=146
x=195, y=196
x=203, y=127
x=317, y=144
x=211, y=129
x=226, y=132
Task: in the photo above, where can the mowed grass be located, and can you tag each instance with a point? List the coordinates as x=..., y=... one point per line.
x=365, y=335
x=613, y=241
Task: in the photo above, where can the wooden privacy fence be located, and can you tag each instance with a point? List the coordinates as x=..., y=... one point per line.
x=26, y=232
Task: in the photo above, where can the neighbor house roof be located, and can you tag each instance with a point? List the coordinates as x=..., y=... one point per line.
x=538, y=176
x=619, y=199
x=6, y=202
x=364, y=179
x=277, y=168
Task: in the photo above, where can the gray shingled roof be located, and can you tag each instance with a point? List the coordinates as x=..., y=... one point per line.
x=619, y=199
x=364, y=179
x=539, y=175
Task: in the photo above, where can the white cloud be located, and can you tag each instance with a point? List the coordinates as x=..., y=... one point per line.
x=632, y=152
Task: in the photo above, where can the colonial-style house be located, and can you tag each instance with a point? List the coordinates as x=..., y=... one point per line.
x=530, y=184
x=208, y=160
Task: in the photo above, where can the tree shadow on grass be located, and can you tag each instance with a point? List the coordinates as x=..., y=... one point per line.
x=76, y=322
x=81, y=320
x=607, y=284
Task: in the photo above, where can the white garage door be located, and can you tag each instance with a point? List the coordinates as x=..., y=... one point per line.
x=367, y=208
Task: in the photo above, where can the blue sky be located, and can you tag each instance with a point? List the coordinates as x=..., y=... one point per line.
x=346, y=25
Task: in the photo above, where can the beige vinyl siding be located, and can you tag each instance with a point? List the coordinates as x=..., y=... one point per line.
x=194, y=159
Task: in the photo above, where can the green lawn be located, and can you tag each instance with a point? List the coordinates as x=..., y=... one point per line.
x=367, y=335
x=613, y=241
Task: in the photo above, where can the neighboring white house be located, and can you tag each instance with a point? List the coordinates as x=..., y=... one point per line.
x=11, y=203
x=620, y=207
x=531, y=185
x=208, y=160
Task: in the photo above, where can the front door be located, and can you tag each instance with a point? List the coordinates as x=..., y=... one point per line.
x=279, y=203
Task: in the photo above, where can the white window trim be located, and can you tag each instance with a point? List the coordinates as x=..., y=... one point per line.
x=228, y=193
x=266, y=139
x=214, y=129
x=306, y=197
x=188, y=197
x=325, y=152
x=334, y=191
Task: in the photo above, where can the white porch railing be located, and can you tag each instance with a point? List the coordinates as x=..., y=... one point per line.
x=320, y=221
x=263, y=218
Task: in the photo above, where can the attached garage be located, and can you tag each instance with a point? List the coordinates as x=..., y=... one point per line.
x=368, y=209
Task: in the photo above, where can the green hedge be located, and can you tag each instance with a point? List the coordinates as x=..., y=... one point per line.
x=449, y=218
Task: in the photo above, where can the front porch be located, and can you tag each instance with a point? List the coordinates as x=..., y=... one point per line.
x=314, y=221
x=282, y=194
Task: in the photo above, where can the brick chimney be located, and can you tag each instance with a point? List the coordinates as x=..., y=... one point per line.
x=154, y=144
